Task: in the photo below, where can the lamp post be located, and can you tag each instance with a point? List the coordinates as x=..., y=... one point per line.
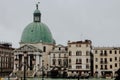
x=42, y=69
x=16, y=63
x=91, y=62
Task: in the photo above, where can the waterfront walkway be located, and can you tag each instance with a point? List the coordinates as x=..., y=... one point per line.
x=58, y=79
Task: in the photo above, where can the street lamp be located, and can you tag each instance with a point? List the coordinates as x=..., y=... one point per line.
x=42, y=69
x=91, y=62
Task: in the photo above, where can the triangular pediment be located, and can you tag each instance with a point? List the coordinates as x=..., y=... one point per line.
x=28, y=48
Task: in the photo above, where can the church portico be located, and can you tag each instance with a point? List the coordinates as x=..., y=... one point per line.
x=27, y=58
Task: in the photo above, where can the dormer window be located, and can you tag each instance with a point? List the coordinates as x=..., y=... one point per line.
x=59, y=48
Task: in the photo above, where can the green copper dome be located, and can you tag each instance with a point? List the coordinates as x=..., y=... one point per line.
x=37, y=32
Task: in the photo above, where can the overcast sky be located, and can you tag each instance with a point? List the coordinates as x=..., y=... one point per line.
x=74, y=20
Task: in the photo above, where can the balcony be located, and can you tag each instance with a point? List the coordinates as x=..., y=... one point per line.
x=78, y=63
x=103, y=54
x=103, y=62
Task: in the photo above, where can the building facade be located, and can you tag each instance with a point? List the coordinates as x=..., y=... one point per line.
x=6, y=59
x=106, y=60
x=79, y=57
x=59, y=57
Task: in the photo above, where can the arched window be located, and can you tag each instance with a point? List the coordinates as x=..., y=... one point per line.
x=59, y=62
x=54, y=61
x=87, y=60
x=105, y=53
x=70, y=53
x=59, y=48
x=115, y=52
x=53, y=55
x=77, y=53
x=87, y=53
x=69, y=60
x=80, y=61
x=44, y=49
x=76, y=60
x=110, y=51
x=101, y=54
x=59, y=55
x=80, y=53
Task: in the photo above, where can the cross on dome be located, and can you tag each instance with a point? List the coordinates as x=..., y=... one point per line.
x=37, y=5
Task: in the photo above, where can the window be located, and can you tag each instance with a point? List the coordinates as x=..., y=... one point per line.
x=115, y=64
x=96, y=66
x=59, y=61
x=70, y=53
x=105, y=53
x=69, y=45
x=87, y=60
x=78, y=53
x=95, y=51
x=105, y=66
x=101, y=54
x=110, y=66
x=96, y=59
x=115, y=52
x=65, y=55
x=44, y=49
x=79, y=45
x=101, y=59
x=65, y=62
x=101, y=66
x=54, y=61
x=86, y=45
x=59, y=48
x=105, y=60
x=69, y=60
x=87, y=53
x=110, y=52
x=76, y=45
x=59, y=55
x=78, y=67
x=53, y=55
x=115, y=58
x=76, y=60
x=87, y=66
x=80, y=61
x=70, y=66
x=110, y=59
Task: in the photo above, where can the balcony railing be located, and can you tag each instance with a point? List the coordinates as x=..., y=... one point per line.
x=103, y=54
x=78, y=63
x=103, y=62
